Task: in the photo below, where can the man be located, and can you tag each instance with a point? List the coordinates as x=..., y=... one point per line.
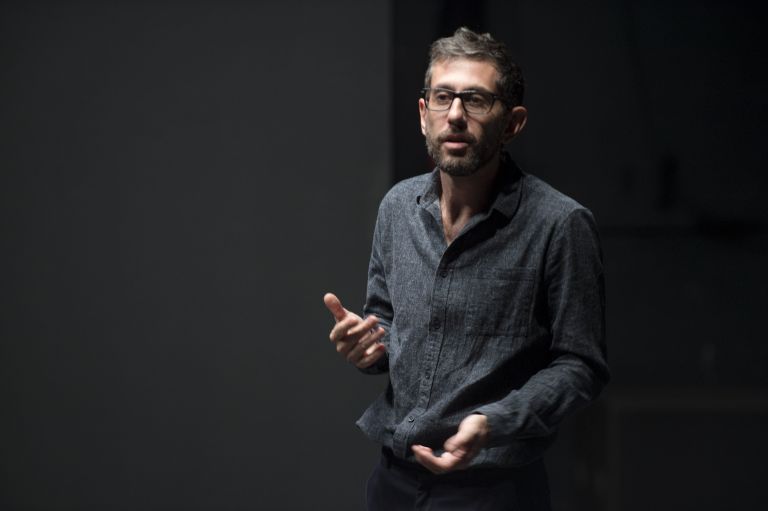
x=485, y=303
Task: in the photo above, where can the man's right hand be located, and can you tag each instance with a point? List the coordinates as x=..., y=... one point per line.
x=357, y=339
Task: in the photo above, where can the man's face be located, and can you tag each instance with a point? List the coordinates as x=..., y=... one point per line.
x=459, y=143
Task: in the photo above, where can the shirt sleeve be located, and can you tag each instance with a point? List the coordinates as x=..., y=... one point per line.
x=377, y=301
x=575, y=297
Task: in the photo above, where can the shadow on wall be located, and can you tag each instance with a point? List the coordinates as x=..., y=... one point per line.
x=650, y=114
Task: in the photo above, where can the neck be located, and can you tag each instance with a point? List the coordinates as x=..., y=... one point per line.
x=471, y=193
x=465, y=196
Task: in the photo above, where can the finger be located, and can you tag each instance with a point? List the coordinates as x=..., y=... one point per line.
x=346, y=341
x=370, y=358
x=426, y=457
x=361, y=348
x=367, y=324
x=436, y=464
x=341, y=329
x=372, y=337
x=344, y=347
x=470, y=436
x=334, y=305
x=460, y=444
x=374, y=348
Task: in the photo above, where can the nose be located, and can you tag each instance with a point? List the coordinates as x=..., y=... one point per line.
x=457, y=114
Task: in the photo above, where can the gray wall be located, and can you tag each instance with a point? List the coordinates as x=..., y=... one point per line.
x=181, y=183
x=180, y=186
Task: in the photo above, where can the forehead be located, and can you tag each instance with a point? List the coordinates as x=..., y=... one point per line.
x=463, y=74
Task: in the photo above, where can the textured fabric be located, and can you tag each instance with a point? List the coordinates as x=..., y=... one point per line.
x=507, y=320
x=398, y=485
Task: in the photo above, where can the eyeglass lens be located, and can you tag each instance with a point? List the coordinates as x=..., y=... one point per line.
x=473, y=101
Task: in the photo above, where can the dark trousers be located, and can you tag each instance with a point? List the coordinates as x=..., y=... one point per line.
x=397, y=485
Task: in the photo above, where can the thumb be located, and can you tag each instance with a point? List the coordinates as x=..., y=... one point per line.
x=334, y=305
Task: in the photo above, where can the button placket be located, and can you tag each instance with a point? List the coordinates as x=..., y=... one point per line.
x=434, y=339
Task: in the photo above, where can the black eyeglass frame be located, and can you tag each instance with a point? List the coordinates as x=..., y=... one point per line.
x=461, y=96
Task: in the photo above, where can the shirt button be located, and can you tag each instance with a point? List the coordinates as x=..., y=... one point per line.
x=435, y=324
x=444, y=273
x=410, y=418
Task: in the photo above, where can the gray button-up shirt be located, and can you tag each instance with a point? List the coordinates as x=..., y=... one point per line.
x=507, y=320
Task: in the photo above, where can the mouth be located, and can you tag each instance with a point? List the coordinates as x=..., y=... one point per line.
x=456, y=142
x=455, y=146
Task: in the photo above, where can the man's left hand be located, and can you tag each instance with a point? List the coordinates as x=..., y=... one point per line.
x=459, y=449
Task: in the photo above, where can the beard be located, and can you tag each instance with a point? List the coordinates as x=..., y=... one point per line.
x=479, y=151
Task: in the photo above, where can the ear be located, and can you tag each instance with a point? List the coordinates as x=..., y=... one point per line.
x=423, y=116
x=518, y=116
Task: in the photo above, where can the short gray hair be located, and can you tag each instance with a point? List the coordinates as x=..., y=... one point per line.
x=466, y=44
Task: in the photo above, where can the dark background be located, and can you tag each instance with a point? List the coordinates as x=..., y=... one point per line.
x=181, y=183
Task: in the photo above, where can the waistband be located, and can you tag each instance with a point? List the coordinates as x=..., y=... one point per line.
x=413, y=469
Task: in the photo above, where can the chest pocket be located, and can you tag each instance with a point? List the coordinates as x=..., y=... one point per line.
x=499, y=302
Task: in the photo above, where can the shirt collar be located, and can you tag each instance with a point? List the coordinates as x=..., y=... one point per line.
x=507, y=187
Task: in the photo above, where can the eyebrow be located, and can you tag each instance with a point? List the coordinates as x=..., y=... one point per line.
x=470, y=89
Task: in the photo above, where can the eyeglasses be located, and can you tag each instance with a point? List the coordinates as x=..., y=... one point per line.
x=474, y=101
